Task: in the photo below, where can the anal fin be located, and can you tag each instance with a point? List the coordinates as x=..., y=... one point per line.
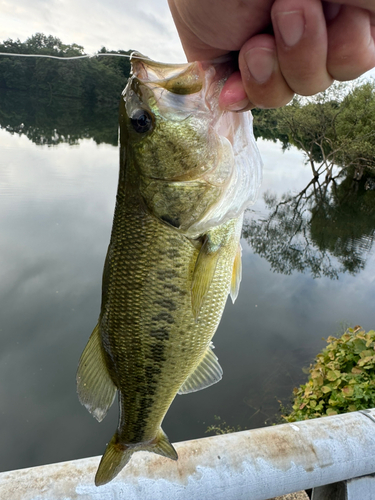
x=207, y=373
x=95, y=388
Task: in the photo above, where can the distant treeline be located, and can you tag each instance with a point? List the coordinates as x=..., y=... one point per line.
x=75, y=99
x=97, y=80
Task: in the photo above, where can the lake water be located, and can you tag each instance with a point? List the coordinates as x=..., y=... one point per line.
x=56, y=208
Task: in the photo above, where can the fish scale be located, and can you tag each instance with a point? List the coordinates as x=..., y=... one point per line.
x=174, y=254
x=143, y=312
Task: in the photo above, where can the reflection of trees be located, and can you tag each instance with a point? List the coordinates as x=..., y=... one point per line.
x=345, y=225
x=52, y=121
x=327, y=228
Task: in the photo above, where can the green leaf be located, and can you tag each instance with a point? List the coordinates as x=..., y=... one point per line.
x=348, y=391
x=359, y=345
x=341, y=380
x=331, y=411
x=333, y=375
x=326, y=389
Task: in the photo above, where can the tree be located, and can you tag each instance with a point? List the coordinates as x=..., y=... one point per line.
x=97, y=80
x=329, y=226
x=334, y=128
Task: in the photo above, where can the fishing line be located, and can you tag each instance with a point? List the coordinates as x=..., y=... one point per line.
x=134, y=55
x=62, y=58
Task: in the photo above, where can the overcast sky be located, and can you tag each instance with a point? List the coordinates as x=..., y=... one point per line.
x=143, y=25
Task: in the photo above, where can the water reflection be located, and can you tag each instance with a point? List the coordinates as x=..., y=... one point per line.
x=326, y=229
x=51, y=121
x=56, y=208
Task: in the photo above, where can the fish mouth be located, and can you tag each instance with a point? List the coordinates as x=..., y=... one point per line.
x=183, y=79
x=145, y=68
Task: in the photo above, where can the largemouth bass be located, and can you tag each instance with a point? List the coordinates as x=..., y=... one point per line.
x=188, y=170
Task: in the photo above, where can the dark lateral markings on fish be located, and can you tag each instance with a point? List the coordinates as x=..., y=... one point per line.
x=188, y=170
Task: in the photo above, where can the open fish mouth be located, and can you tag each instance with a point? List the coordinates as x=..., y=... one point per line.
x=182, y=79
x=216, y=157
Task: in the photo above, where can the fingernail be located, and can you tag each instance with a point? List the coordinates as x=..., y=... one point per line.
x=238, y=106
x=291, y=26
x=261, y=63
x=331, y=10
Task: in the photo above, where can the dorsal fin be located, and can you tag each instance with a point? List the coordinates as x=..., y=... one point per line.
x=207, y=373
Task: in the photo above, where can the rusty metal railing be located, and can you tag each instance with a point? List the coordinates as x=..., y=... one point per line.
x=251, y=465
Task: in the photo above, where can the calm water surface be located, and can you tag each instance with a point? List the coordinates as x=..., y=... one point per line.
x=56, y=207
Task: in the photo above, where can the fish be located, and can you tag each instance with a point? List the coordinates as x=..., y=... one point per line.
x=188, y=171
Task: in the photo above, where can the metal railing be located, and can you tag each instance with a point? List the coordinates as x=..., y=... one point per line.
x=251, y=465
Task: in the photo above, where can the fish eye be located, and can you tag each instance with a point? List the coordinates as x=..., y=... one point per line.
x=141, y=121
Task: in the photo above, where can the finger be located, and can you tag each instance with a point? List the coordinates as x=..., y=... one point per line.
x=364, y=4
x=351, y=47
x=262, y=80
x=301, y=41
x=210, y=28
x=233, y=96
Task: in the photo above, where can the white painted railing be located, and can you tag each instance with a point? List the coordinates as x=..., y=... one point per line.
x=250, y=465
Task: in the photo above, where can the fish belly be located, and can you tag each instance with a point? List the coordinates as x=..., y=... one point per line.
x=150, y=336
x=149, y=343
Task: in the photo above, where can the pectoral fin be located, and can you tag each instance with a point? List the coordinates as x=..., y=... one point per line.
x=95, y=388
x=207, y=373
x=204, y=272
x=236, y=274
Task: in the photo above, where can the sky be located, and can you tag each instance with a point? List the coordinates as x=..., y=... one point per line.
x=143, y=25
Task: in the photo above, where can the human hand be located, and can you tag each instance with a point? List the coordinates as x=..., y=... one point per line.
x=312, y=43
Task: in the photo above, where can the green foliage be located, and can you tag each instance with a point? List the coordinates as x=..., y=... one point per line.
x=266, y=126
x=99, y=80
x=355, y=128
x=328, y=227
x=334, y=127
x=53, y=101
x=341, y=380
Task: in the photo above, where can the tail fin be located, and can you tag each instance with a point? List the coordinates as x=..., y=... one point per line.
x=117, y=455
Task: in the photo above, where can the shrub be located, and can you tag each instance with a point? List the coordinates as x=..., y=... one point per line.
x=341, y=380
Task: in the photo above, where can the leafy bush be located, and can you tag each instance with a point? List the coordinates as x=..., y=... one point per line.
x=341, y=380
